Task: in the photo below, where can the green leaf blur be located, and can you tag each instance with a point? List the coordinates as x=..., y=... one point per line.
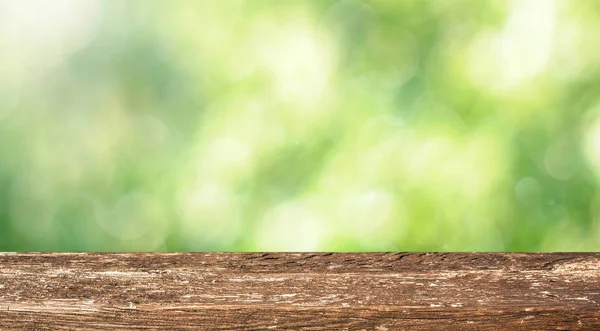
x=280, y=125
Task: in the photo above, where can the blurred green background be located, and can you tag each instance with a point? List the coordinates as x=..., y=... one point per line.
x=285, y=125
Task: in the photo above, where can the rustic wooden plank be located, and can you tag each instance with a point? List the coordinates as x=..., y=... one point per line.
x=307, y=291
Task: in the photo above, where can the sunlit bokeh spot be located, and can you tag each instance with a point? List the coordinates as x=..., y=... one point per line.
x=292, y=226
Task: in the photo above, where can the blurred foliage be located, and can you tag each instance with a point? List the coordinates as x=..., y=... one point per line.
x=350, y=125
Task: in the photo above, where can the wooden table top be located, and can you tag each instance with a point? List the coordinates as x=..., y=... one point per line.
x=300, y=291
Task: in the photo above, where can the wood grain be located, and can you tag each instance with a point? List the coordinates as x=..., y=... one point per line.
x=307, y=291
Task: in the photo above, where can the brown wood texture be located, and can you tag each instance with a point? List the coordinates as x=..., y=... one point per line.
x=306, y=291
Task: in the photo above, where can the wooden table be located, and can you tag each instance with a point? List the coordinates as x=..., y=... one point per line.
x=307, y=291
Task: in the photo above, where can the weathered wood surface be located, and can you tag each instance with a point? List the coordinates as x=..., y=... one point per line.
x=283, y=291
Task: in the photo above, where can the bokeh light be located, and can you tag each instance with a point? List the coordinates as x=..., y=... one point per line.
x=338, y=125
